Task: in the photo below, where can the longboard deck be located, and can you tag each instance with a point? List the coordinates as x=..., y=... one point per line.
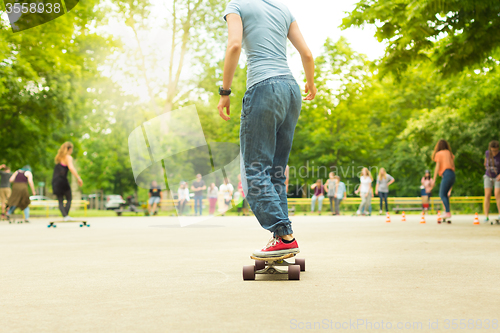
x=497, y=221
x=272, y=259
x=15, y=218
x=82, y=223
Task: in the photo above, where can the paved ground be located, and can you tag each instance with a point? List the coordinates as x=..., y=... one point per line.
x=150, y=275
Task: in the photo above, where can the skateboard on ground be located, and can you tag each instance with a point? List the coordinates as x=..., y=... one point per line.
x=53, y=223
x=497, y=221
x=270, y=266
x=16, y=218
x=446, y=220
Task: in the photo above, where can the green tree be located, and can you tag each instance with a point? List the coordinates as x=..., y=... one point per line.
x=453, y=35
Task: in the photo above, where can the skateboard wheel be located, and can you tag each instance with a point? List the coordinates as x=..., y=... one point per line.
x=259, y=264
x=248, y=273
x=302, y=263
x=88, y=225
x=48, y=226
x=294, y=272
x=54, y=226
x=81, y=225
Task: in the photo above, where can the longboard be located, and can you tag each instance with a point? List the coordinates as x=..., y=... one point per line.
x=270, y=266
x=497, y=221
x=82, y=223
x=446, y=220
x=15, y=218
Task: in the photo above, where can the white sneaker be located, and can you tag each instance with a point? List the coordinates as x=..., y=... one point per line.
x=65, y=219
x=68, y=219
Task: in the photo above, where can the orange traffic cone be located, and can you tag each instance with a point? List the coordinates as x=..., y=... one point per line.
x=403, y=217
x=439, y=217
x=388, y=218
x=476, y=219
x=422, y=219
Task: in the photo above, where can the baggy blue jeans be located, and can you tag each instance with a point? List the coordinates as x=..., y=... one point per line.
x=446, y=184
x=270, y=112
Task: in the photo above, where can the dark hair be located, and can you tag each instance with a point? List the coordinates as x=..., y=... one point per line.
x=425, y=175
x=441, y=145
x=491, y=162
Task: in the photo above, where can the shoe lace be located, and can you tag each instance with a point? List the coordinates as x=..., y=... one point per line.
x=273, y=241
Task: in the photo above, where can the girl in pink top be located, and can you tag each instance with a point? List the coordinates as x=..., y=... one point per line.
x=427, y=185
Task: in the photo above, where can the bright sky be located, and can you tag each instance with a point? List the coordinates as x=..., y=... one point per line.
x=318, y=20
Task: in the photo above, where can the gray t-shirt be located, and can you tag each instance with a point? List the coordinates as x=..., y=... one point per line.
x=265, y=32
x=383, y=184
x=332, y=185
x=4, y=179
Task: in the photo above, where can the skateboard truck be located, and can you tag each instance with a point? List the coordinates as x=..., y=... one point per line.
x=270, y=266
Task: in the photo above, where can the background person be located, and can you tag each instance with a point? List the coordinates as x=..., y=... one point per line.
x=426, y=189
x=212, y=194
x=365, y=191
x=319, y=195
x=183, y=197
x=5, y=190
x=226, y=191
x=492, y=177
x=384, y=180
x=198, y=187
x=155, y=197
x=340, y=195
x=445, y=167
x=244, y=202
x=331, y=190
x=60, y=183
x=20, y=197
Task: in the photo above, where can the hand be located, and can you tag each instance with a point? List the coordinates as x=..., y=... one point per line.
x=224, y=102
x=80, y=182
x=376, y=192
x=311, y=92
x=498, y=178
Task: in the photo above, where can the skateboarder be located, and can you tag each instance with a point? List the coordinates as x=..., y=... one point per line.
x=60, y=184
x=271, y=108
x=492, y=177
x=445, y=167
x=4, y=186
x=20, y=197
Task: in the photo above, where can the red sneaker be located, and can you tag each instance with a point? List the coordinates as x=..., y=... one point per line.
x=277, y=248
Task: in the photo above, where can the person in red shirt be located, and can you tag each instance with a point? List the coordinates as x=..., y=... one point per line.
x=445, y=167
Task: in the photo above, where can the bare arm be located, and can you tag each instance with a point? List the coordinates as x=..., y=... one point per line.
x=436, y=170
x=29, y=175
x=233, y=51
x=298, y=41
x=376, y=189
x=13, y=177
x=72, y=169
